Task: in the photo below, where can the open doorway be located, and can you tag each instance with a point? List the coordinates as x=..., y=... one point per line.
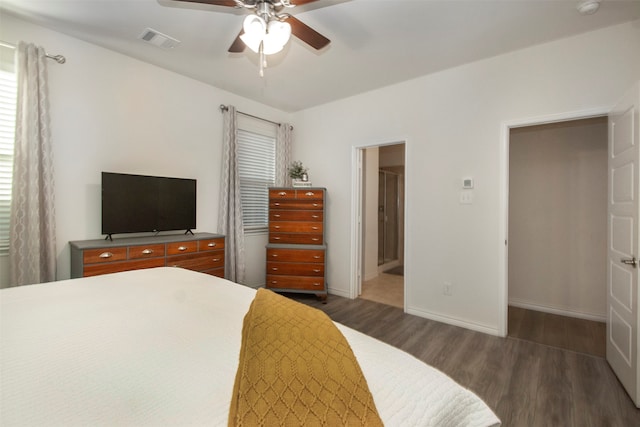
x=557, y=215
x=382, y=233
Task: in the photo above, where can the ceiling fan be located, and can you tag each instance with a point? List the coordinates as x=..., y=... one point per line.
x=268, y=28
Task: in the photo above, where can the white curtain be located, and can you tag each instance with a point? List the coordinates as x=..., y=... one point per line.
x=283, y=154
x=32, y=245
x=230, y=208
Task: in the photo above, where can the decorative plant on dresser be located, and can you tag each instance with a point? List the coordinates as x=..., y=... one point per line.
x=296, y=250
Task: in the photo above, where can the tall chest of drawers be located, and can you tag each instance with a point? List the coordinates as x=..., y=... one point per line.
x=296, y=252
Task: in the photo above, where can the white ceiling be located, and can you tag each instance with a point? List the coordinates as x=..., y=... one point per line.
x=374, y=43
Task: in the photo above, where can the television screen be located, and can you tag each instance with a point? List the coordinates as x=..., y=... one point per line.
x=139, y=203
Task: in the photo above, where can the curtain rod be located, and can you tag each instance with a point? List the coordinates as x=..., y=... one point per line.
x=225, y=108
x=58, y=58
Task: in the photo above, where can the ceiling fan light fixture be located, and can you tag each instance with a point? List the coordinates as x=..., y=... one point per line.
x=272, y=35
x=254, y=30
x=277, y=35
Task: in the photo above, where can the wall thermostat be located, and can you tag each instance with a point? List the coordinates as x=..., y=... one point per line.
x=467, y=182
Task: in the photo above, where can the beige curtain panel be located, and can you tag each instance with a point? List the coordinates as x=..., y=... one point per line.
x=32, y=246
x=230, y=206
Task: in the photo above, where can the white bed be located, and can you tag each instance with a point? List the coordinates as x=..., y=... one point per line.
x=160, y=347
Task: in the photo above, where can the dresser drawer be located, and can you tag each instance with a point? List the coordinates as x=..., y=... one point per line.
x=295, y=227
x=93, y=256
x=282, y=193
x=295, y=255
x=198, y=261
x=296, y=204
x=296, y=215
x=115, y=267
x=299, y=193
x=295, y=282
x=296, y=238
x=309, y=195
x=211, y=245
x=151, y=251
x=295, y=269
x=182, y=247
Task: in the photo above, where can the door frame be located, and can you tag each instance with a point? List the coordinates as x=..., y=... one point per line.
x=355, y=283
x=505, y=128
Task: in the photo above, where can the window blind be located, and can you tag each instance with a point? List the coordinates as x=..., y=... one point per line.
x=257, y=171
x=8, y=93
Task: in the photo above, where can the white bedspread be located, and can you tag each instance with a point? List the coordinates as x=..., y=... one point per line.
x=160, y=347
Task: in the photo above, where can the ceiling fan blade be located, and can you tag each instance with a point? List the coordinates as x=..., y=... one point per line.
x=307, y=34
x=229, y=3
x=238, y=45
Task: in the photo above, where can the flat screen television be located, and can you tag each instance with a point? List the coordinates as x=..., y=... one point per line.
x=140, y=203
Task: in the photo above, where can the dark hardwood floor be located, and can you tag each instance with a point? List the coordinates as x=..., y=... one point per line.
x=525, y=383
x=583, y=336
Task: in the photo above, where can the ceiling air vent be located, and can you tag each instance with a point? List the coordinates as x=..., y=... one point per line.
x=157, y=38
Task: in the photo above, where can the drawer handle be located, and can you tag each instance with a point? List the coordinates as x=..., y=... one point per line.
x=147, y=251
x=216, y=259
x=276, y=238
x=274, y=268
x=274, y=255
x=274, y=282
x=211, y=245
x=315, y=216
x=282, y=193
x=277, y=204
x=309, y=193
x=315, y=205
x=315, y=239
x=316, y=271
x=106, y=255
x=276, y=227
x=182, y=248
x=316, y=256
x=314, y=228
x=317, y=284
x=277, y=216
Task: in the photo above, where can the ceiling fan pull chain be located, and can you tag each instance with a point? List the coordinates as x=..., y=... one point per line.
x=263, y=59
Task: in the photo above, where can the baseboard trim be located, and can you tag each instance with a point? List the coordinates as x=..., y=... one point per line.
x=557, y=310
x=391, y=264
x=370, y=276
x=338, y=292
x=453, y=321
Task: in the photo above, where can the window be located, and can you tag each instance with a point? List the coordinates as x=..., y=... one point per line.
x=257, y=171
x=8, y=94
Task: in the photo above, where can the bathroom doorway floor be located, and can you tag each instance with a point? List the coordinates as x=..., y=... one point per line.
x=386, y=289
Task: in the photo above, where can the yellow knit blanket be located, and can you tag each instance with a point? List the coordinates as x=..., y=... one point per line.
x=297, y=369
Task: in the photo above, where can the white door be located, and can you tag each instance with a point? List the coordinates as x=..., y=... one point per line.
x=623, y=233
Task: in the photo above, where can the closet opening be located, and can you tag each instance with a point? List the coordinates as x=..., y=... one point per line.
x=557, y=216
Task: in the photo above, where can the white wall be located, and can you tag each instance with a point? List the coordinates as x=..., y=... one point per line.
x=110, y=112
x=558, y=218
x=451, y=122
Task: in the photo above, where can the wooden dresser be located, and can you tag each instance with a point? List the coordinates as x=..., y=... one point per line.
x=296, y=252
x=202, y=252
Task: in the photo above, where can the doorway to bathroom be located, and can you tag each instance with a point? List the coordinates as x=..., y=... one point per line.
x=383, y=201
